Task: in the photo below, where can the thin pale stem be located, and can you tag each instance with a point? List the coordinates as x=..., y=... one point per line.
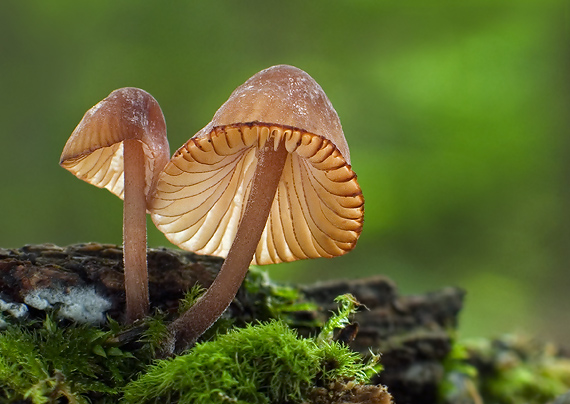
x=134, y=231
x=194, y=322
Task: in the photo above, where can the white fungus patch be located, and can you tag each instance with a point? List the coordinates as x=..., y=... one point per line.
x=80, y=304
x=16, y=310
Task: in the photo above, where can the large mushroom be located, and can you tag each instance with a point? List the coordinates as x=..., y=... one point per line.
x=121, y=145
x=268, y=180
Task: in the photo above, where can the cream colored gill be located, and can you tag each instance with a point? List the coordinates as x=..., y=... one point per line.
x=201, y=193
x=103, y=167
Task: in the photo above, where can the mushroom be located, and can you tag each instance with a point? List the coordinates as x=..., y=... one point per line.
x=120, y=144
x=268, y=180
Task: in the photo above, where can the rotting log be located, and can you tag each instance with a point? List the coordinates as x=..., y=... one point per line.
x=411, y=332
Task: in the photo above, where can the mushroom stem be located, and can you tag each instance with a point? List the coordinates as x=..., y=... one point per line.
x=134, y=231
x=195, y=321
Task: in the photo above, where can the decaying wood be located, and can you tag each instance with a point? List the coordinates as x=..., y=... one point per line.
x=99, y=266
x=411, y=332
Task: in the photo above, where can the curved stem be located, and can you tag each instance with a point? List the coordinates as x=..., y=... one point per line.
x=134, y=231
x=194, y=322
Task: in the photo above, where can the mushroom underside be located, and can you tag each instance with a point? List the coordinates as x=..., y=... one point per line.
x=103, y=167
x=316, y=212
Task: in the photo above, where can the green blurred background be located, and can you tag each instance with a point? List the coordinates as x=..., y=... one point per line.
x=457, y=118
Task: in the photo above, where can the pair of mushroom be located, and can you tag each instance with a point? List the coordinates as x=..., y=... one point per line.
x=268, y=180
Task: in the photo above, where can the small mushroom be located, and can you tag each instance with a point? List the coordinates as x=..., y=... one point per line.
x=120, y=144
x=268, y=180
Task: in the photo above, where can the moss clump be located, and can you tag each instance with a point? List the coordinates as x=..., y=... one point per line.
x=45, y=361
x=58, y=361
x=522, y=370
x=509, y=370
x=237, y=367
x=263, y=363
x=268, y=300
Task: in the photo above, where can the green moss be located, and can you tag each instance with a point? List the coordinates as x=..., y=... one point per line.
x=253, y=365
x=524, y=371
x=263, y=363
x=269, y=300
x=43, y=361
x=461, y=377
x=190, y=298
x=51, y=361
x=509, y=370
x=348, y=306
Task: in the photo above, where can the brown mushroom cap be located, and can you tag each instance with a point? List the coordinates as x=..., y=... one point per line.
x=318, y=207
x=93, y=152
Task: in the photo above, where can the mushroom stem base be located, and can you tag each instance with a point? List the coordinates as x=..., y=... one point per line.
x=194, y=322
